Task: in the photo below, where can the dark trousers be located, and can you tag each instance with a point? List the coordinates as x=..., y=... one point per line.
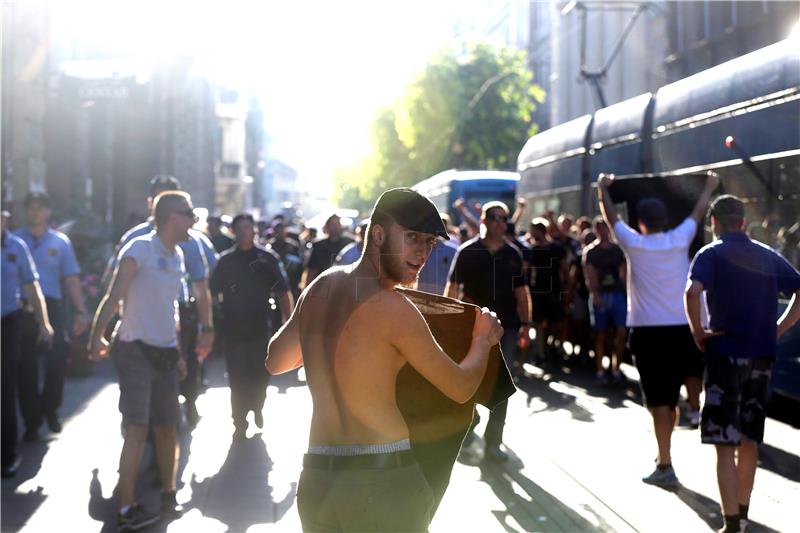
x=10, y=342
x=36, y=402
x=190, y=387
x=497, y=418
x=247, y=377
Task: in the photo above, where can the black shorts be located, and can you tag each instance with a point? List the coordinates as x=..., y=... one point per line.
x=736, y=399
x=665, y=356
x=547, y=307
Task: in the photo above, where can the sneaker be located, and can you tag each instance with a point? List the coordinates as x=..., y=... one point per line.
x=53, y=422
x=170, y=508
x=662, y=478
x=135, y=519
x=694, y=419
x=495, y=454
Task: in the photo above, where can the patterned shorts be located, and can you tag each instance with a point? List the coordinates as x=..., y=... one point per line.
x=736, y=399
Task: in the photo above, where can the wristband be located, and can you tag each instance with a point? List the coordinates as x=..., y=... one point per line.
x=204, y=328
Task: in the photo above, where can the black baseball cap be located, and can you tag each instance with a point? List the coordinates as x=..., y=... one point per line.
x=163, y=182
x=411, y=210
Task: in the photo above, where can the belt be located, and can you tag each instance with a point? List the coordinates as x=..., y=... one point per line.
x=375, y=461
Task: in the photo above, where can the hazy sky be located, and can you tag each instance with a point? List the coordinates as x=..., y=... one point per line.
x=320, y=68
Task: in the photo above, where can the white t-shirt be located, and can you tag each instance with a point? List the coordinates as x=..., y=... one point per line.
x=658, y=266
x=150, y=311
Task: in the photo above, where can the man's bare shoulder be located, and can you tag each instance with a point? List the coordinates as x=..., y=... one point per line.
x=394, y=309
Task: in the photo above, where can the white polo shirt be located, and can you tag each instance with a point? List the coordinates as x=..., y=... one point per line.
x=150, y=310
x=658, y=266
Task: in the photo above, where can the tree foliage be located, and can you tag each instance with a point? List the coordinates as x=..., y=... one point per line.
x=469, y=110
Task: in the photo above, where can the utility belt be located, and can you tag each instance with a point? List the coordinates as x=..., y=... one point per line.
x=162, y=359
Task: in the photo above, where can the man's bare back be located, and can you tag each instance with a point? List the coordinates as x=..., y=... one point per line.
x=351, y=363
x=355, y=333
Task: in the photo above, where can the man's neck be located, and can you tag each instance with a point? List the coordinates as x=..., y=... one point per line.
x=369, y=268
x=167, y=239
x=493, y=243
x=37, y=230
x=245, y=246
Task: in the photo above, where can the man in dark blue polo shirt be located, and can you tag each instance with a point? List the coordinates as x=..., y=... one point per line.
x=742, y=279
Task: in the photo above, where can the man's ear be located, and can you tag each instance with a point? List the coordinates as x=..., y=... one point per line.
x=378, y=234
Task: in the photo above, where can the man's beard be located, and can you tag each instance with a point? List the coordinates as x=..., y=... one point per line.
x=392, y=266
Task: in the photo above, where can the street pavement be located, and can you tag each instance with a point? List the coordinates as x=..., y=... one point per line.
x=578, y=452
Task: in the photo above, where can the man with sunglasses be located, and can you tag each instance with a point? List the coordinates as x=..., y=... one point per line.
x=488, y=272
x=145, y=287
x=194, y=302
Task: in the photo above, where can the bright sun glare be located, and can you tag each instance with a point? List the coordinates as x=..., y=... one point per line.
x=320, y=69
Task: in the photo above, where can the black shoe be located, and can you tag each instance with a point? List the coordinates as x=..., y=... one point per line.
x=54, y=423
x=30, y=435
x=495, y=454
x=258, y=418
x=135, y=519
x=10, y=470
x=170, y=508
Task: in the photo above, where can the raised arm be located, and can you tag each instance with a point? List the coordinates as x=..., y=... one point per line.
x=607, y=207
x=701, y=206
x=457, y=381
x=469, y=218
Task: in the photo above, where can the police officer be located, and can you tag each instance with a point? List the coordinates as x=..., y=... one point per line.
x=18, y=274
x=194, y=304
x=247, y=276
x=55, y=262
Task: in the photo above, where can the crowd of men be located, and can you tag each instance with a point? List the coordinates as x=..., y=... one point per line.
x=559, y=286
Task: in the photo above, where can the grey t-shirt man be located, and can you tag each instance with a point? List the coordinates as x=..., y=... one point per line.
x=150, y=312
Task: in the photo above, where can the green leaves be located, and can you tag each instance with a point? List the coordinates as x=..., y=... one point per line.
x=468, y=109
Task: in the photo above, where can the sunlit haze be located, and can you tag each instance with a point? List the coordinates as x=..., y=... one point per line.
x=320, y=69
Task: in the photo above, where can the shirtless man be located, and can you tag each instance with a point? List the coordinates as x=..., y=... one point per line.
x=360, y=473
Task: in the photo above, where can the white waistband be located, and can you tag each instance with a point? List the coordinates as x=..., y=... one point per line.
x=361, y=449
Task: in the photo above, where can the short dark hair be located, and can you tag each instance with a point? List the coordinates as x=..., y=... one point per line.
x=163, y=182
x=494, y=205
x=165, y=203
x=652, y=213
x=242, y=216
x=728, y=210
x=37, y=198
